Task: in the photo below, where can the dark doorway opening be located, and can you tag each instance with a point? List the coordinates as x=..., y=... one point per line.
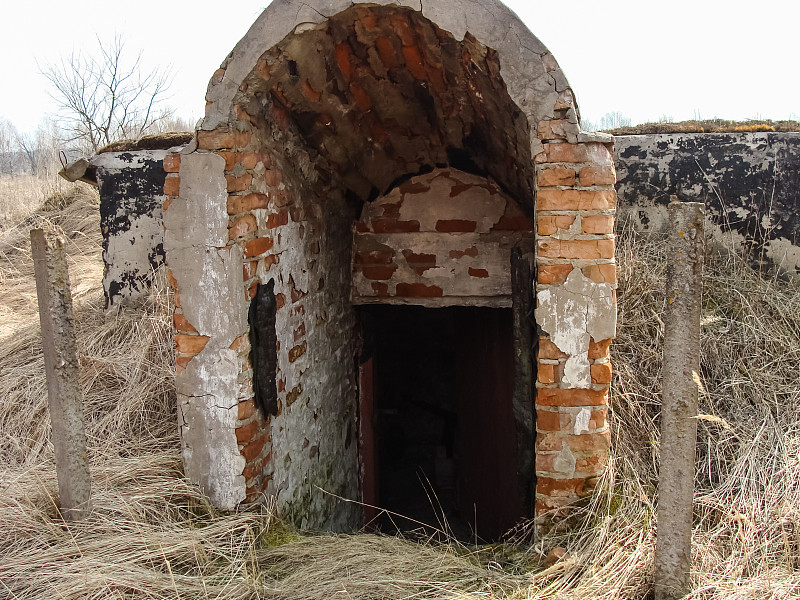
x=438, y=429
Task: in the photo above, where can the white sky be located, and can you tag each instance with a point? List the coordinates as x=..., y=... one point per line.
x=646, y=59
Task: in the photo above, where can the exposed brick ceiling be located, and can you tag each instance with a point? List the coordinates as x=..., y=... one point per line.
x=379, y=94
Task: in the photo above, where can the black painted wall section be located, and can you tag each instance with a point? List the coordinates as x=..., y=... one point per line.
x=131, y=199
x=750, y=183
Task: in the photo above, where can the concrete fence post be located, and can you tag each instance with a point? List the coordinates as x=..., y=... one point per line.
x=678, y=423
x=61, y=367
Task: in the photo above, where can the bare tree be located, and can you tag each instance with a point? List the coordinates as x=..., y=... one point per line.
x=174, y=123
x=614, y=120
x=8, y=134
x=26, y=144
x=40, y=149
x=104, y=98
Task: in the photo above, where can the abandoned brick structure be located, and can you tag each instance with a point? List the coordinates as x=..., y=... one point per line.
x=371, y=191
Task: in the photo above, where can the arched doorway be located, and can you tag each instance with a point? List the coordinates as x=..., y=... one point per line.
x=446, y=424
x=321, y=110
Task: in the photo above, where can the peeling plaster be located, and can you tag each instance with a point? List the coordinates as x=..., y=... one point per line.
x=210, y=451
x=468, y=268
x=582, y=420
x=208, y=275
x=748, y=182
x=437, y=205
x=131, y=188
x=572, y=314
x=311, y=443
x=565, y=461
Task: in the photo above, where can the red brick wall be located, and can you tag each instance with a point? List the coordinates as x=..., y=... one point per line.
x=440, y=238
x=575, y=209
x=289, y=155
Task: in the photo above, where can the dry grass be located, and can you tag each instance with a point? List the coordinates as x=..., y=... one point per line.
x=708, y=126
x=153, y=535
x=21, y=194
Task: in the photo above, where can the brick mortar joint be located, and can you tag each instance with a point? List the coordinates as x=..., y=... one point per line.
x=572, y=165
x=563, y=477
x=578, y=263
x=248, y=421
x=570, y=432
x=595, y=387
x=261, y=434
x=604, y=212
x=560, y=361
x=551, y=361
x=577, y=237
x=562, y=410
x=577, y=188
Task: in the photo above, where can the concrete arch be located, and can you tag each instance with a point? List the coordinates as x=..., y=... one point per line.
x=261, y=196
x=534, y=79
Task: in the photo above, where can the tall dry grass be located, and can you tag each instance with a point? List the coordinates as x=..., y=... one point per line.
x=21, y=194
x=153, y=534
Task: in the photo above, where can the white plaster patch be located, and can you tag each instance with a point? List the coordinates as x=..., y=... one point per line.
x=565, y=461
x=582, y=421
x=572, y=314
x=208, y=418
x=577, y=370
x=199, y=215
x=473, y=204
x=131, y=159
x=130, y=256
x=452, y=273
x=212, y=298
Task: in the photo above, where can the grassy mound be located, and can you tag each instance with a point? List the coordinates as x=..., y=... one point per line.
x=154, y=535
x=709, y=126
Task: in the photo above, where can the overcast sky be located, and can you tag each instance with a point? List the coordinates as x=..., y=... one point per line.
x=681, y=59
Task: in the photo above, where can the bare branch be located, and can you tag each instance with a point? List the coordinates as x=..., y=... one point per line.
x=105, y=98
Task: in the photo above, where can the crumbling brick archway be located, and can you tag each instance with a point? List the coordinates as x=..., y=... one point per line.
x=325, y=106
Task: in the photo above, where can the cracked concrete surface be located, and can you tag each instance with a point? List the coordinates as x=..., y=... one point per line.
x=209, y=279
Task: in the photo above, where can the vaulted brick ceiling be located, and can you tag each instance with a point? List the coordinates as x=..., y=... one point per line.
x=379, y=94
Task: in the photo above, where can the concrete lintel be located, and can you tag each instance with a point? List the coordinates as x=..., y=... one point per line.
x=128, y=159
x=444, y=302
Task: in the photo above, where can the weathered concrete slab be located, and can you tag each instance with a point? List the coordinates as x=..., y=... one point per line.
x=749, y=182
x=131, y=188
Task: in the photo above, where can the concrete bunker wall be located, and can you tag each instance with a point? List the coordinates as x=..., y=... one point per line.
x=131, y=186
x=326, y=106
x=748, y=181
